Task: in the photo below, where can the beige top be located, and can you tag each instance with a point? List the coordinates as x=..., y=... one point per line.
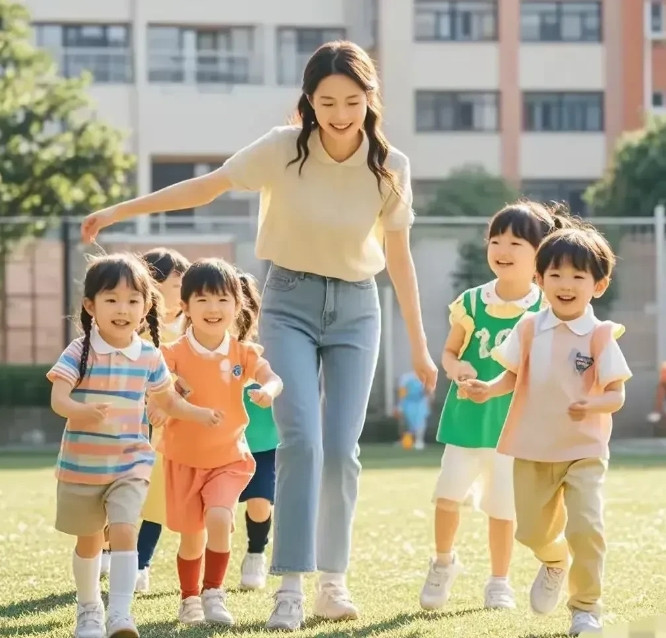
x=331, y=219
x=557, y=363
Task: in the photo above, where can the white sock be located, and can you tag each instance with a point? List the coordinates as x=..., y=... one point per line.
x=86, y=577
x=330, y=577
x=445, y=559
x=292, y=582
x=122, y=580
x=499, y=579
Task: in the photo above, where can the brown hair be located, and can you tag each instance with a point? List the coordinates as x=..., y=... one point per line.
x=218, y=276
x=583, y=247
x=345, y=58
x=105, y=273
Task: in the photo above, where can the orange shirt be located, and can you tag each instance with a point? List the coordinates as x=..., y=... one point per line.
x=216, y=380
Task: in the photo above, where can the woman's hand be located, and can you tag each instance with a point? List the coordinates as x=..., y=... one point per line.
x=425, y=369
x=95, y=222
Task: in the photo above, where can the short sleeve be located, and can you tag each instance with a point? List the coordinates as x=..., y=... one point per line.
x=397, y=212
x=67, y=366
x=169, y=357
x=457, y=311
x=612, y=366
x=253, y=360
x=508, y=353
x=159, y=378
x=253, y=167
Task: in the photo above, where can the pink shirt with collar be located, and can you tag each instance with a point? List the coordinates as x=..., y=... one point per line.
x=558, y=370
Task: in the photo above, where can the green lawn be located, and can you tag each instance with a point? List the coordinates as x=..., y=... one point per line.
x=393, y=539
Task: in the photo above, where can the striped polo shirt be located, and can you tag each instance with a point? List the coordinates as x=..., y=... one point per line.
x=100, y=454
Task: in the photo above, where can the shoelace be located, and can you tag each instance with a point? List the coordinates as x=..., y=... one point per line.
x=338, y=593
x=552, y=580
x=116, y=617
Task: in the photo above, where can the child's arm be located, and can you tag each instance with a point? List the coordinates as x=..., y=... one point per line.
x=455, y=369
x=174, y=406
x=482, y=391
x=271, y=385
x=66, y=407
x=609, y=402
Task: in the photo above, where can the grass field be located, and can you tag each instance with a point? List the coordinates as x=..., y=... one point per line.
x=393, y=539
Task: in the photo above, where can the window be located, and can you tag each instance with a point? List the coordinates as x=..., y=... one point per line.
x=560, y=21
x=658, y=100
x=563, y=112
x=202, y=56
x=102, y=49
x=657, y=17
x=294, y=48
x=455, y=21
x=568, y=191
x=450, y=111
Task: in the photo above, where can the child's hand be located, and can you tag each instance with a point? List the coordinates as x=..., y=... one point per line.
x=475, y=390
x=206, y=416
x=157, y=417
x=181, y=386
x=260, y=397
x=92, y=413
x=464, y=371
x=579, y=410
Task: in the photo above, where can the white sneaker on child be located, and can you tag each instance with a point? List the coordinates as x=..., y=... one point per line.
x=334, y=602
x=546, y=589
x=287, y=614
x=143, y=581
x=119, y=626
x=191, y=611
x=437, y=587
x=90, y=621
x=253, y=571
x=215, y=607
x=105, y=565
x=498, y=594
x=584, y=622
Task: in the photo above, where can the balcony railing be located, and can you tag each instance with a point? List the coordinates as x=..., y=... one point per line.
x=109, y=65
x=204, y=67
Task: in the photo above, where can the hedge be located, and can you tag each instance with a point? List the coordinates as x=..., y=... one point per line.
x=23, y=386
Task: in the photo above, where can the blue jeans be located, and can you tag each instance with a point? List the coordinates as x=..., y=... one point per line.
x=321, y=336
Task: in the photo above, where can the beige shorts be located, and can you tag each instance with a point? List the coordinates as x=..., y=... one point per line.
x=83, y=510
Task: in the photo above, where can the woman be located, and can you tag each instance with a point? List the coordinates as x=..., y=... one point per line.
x=336, y=208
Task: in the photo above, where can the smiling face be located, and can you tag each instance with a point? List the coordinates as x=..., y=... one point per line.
x=340, y=106
x=570, y=290
x=118, y=312
x=511, y=258
x=212, y=314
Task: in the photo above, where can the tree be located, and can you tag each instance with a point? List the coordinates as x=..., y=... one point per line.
x=634, y=182
x=471, y=192
x=56, y=157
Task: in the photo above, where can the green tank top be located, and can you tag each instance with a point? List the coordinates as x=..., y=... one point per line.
x=261, y=432
x=478, y=425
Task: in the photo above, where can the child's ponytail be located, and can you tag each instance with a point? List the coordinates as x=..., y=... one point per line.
x=86, y=325
x=153, y=317
x=562, y=217
x=246, y=322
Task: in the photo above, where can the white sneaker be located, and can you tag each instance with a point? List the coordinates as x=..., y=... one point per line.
x=437, y=587
x=105, y=565
x=215, y=610
x=90, y=621
x=118, y=626
x=546, y=589
x=584, y=621
x=334, y=602
x=143, y=581
x=288, y=611
x=498, y=594
x=253, y=571
x=191, y=611
x=419, y=445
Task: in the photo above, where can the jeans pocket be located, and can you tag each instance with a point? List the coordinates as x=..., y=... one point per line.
x=364, y=284
x=281, y=282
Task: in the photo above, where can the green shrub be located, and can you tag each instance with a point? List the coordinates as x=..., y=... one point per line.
x=23, y=386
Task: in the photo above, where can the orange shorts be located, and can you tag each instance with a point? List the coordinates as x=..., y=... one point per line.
x=191, y=491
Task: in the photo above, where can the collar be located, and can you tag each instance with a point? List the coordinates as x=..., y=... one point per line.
x=358, y=158
x=489, y=296
x=581, y=326
x=132, y=352
x=223, y=348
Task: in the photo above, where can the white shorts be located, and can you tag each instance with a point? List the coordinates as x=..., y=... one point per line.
x=466, y=469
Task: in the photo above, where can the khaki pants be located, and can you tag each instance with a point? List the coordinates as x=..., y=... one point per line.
x=559, y=512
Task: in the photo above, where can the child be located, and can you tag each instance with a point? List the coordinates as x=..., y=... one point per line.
x=262, y=439
x=99, y=386
x=480, y=319
x=207, y=469
x=166, y=267
x=414, y=408
x=567, y=374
